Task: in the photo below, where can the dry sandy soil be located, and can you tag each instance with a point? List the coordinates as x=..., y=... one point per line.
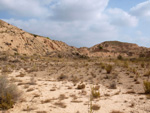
x=52, y=85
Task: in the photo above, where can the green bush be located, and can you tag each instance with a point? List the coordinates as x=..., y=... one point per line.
x=8, y=93
x=147, y=87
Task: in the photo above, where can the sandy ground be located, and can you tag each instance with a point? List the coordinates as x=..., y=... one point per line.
x=48, y=95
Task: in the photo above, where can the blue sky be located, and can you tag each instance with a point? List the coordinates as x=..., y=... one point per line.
x=81, y=22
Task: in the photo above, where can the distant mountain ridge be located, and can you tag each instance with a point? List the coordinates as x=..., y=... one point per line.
x=16, y=41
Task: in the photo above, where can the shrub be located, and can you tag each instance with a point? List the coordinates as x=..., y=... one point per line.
x=142, y=65
x=126, y=65
x=108, y=69
x=134, y=70
x=119, y=57
x=95, y=93
x=8, y=93
x=147, y=74
x=102, y=65
x=112, y=85
x=147, y=87
x=81, y=86
x=95, y=107
x=62, y=77
x=100, y=47
x=116, y=111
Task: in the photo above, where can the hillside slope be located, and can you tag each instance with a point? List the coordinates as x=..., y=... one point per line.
x=114, y=48
x=14, y=40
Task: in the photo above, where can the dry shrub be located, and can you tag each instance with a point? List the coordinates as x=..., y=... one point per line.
x=146, y=87
x=95, y=107
x=81, y=86
x=108, y=69
x=60, y=104
x=95, y=93
x=46, y=101
x=102, y=65
x=41, y=112
x=112, y=85
x=62, y=77
x=119, y=57
x=142, y=65
x=116, y=111
x=126, y=65
x=8, y=93
x=147, y=74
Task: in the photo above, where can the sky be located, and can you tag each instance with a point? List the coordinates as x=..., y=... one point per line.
x=81, y=23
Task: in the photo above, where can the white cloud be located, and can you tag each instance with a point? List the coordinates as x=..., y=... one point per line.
x=74, y=10
x=76, y=22
x=141, y=10
x=26, y=8
x=121, y=18
x=73, y=33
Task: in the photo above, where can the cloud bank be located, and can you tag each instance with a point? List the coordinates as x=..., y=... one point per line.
x=78, y=23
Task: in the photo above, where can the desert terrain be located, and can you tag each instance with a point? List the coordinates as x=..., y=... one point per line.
x=52, y=77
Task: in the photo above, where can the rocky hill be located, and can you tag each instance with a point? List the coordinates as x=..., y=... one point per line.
x=114, y=48
x=16, y=41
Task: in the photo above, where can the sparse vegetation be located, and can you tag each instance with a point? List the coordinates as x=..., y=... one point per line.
x=8, y=93
x=57, y=76
x=147, y=87
x=119, y=57
x=100, y=47
x=116, y=111
x=81, y=86
x=108, y=69
x=95, y=107
x=95, y=93
x=62, y=77
x=142, y=64
x=60, y=104
x=147, y=74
